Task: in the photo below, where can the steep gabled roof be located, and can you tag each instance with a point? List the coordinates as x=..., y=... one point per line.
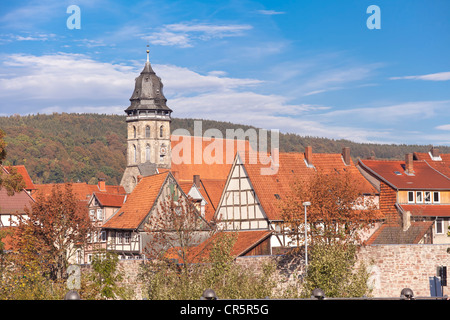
x=26, y=177
x=201, y=160
x=211, y=190
x=138, y=204
x=18, y=201
x=393, y=173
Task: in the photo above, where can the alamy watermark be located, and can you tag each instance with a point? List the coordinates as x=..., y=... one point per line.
x=374, y=21
x=252, y=146
x=74, y=20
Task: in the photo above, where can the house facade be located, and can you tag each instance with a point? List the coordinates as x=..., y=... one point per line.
x=13, y=206
x=415, y=198
x=129, y=231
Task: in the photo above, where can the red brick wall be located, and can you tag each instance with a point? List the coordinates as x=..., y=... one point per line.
x=388, y=198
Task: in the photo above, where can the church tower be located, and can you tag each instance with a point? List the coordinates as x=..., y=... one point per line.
x=148, y=128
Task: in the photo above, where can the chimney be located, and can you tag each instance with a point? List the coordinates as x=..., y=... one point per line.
x=409, y=166
x=101, y=184
x=346, y=155
x=406, y=223
x=196, y=180
x=434, y=152
x=308, y=155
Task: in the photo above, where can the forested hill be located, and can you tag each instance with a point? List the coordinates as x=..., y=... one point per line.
x=85, y=147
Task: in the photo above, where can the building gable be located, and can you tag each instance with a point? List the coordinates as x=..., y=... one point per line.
x=239, y=207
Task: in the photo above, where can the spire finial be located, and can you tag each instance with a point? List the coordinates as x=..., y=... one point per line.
x=147, y=54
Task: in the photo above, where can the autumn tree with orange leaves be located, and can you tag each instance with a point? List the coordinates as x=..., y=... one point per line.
x=338, y=211
x=55, y=227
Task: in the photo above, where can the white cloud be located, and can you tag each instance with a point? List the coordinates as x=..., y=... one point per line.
x=391, y=114
x=444, y=127
x=270, y=12
x=440, y=76
x=184, y=34
x=62, y=79
x=76, y=83
x=179, y=81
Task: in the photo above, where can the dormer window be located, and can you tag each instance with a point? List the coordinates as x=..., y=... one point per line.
x=427, y=196
x=410, y=196
x=436, y=197
x=419, y=197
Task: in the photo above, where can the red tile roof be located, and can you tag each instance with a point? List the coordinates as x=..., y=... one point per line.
x=442, y=165
x=26, y=177
x=393, y=173
x=246, y=241
x=15, y=203
x=82, y=191
x=138, y=203
x=292, y=168
x=198, y=162
x=430, y=210
x=110, y=199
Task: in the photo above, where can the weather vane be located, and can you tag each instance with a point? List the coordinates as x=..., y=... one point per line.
x=148, y=53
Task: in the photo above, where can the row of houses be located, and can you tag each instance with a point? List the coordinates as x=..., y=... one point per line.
x=233, y=191
x=413, y=196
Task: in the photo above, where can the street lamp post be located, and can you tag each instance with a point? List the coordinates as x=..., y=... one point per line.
x=305, y=204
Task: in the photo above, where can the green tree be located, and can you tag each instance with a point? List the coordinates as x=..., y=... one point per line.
x=332, y=268
x=104, y=280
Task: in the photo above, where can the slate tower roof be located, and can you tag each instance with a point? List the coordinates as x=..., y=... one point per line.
x=148, y=92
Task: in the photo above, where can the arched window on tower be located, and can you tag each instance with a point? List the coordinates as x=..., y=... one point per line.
x=134, y=132
x=161, y=131
x=134, y=154
x=147, y=153
x=147, y=131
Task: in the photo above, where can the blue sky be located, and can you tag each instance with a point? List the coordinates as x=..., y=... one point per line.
x=307, y=67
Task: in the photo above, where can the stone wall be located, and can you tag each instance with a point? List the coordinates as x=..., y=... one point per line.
x=392, y=267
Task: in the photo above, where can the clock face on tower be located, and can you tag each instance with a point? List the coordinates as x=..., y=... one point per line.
x=163, y=150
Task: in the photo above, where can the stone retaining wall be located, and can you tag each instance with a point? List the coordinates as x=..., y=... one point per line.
x=393, y=268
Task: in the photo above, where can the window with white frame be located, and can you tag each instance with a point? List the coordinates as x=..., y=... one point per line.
x=119, y=237
x=127, y=237
x=436, y=197
x=419, y=196
x=439, y=226
x=99, y=214
x=410, y=196
x=103, y=236
x=427, y=196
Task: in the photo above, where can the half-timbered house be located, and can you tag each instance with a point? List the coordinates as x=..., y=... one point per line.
x=253, y=191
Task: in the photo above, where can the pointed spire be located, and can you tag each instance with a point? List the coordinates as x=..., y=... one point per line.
x=148, y=91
